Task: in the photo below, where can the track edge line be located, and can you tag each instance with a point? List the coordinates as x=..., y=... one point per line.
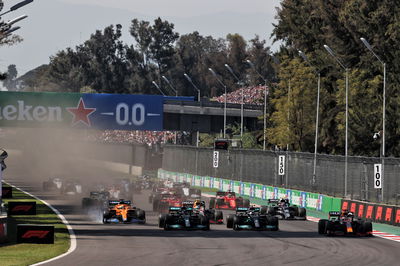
x=71, y=232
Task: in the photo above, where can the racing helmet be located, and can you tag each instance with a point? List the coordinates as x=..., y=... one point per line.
x=197, y=204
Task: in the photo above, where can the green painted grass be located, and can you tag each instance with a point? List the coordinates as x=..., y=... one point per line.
x=12, y=253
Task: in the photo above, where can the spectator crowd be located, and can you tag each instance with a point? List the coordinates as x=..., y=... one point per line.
x=251, y=95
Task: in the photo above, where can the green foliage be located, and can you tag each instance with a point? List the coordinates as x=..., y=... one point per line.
x=308, y=25
x=206, y=140
x=87, y=89
x=249, y=141
x=295, y=104
x=10, y=81
x=105, y=64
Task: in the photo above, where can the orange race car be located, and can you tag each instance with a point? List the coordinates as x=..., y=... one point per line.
x=122, y=211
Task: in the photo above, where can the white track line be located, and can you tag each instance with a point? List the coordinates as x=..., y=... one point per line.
x=72, y=235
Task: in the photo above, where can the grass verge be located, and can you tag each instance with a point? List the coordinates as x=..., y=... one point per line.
x=12, y=253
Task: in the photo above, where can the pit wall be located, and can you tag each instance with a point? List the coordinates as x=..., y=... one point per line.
x=312, y=201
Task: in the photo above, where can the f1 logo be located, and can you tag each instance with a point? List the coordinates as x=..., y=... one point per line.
x=35, y=233
x=24, y=208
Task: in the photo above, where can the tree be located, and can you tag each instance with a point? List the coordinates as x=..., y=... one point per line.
x=294, y=102
x=10, y=82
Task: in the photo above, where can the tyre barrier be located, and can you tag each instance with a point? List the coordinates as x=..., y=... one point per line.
x=21, y=208
x=378, y=213
x=35, y=234
x=6, y=192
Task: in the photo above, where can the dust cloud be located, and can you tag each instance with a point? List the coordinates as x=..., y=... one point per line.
x=36, y=154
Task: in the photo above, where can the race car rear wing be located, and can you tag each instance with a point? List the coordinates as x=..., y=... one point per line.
x=187, y=203
x=273, y=201
x=173, y=210
x=241, y=210
x=115, y=202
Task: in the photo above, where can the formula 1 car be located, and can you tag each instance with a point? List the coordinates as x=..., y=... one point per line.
x=121, y=211
x=71, y=187
x=162, y=202
x=283, y=210
x=228, y=200
x=54, y=183
x=252, y=219
x=183, y=218
x=157, y=191
x=214, y=216
x=97, y=200
x=344, y=223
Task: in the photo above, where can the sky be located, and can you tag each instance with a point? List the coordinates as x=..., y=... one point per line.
x=54, y=25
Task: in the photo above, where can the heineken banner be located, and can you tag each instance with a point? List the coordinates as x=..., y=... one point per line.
x=76, y=110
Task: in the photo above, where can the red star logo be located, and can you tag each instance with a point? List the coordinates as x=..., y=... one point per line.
x=81, y=113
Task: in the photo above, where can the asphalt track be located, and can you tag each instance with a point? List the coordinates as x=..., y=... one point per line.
x=297, y=242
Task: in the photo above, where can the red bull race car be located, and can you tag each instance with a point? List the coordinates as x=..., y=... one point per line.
x=344, y=223
x=228, y=201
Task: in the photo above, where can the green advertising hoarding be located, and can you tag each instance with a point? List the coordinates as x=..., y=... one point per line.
x=258, y=191
x=309, y=200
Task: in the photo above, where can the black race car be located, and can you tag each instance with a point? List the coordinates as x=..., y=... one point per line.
x=183, y=218
x=344, y=223
x=213, y=215
x=97, y=200
x=252, y=219
x=283, y=210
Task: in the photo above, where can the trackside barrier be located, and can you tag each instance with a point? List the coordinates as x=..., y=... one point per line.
x=314, y=201
x=389, y=214
x=308, y=200
x=378, y=214
x=397, y=217
x=370, y=212
x=361, y=210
